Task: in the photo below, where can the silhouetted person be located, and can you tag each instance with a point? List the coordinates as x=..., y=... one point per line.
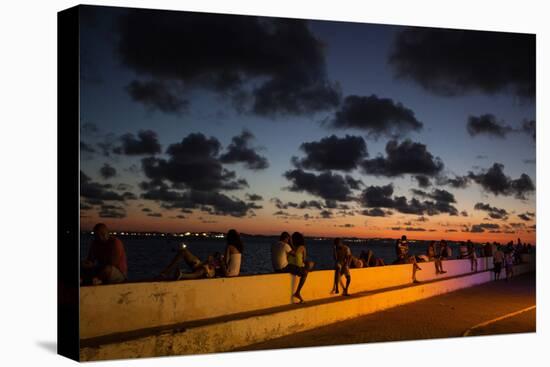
x=342, y=256
x=297, y=263
x=472, y=255
x=279, y=253
x=403, y=257
x=432, y=256
x=231, y=264
x=199, y=269
x=106, y=260
x=498, y=259
x=370, y=260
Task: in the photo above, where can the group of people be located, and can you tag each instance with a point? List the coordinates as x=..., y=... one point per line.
x=288, y=255
x=106, y=260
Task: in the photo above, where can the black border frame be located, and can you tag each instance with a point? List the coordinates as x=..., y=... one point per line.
x=68, y=177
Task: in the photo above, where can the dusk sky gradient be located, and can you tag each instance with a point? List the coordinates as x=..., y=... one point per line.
x=156, y=73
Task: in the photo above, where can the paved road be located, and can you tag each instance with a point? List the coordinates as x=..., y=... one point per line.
x=448, y=315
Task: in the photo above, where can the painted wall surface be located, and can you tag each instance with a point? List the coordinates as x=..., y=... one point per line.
x=239, y=332
x=109, y=309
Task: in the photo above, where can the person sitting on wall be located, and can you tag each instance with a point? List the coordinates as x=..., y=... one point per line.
x=106, y=261
x=297, y=263
x=342, y=257
x=281, y=252
x=403, y=257
x=231, y=262
x=199, y=269
x=432, y=256
x=370, y=260
x=472, y=255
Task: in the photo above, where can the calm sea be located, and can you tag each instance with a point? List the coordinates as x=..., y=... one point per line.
x=147, y=256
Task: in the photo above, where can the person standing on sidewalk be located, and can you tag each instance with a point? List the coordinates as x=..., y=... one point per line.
x=498, y=258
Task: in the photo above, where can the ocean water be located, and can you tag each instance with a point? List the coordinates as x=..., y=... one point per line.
x=148, y=256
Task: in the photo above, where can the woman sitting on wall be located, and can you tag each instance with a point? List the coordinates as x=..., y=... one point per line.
x=231, y=264
x=297, y=263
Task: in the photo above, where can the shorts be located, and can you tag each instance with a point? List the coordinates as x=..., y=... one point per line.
x=497, y=267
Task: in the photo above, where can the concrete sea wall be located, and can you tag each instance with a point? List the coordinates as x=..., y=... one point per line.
x=236, y=331
x=111, y=309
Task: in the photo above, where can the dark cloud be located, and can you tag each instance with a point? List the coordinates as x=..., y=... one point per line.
x=402, y=158
x=495, y=181
x=375, y=212
x=312, y=204
x=87, y=148
x=458, y=182
x=254, y=197
x=376, y=116
x=408, y=229
x=89, y=129
x=274, y=66
x=333, y=153
x=327, y=185
x=347, y=225
x=480, y=228
x=157, y=95
x=530, y=127
x=146, y=210
x=214, y=203
x=96, y=193
x=193, y=163
x=454, y=62
x=112, y=211
x=493, y=212
x=85, y=206
x=107, y=171
x=105, y=147
x=487, y=124
x=527, y=216
x=529, y=161
x=326, y=214
x=239, y=151
x=146, y=143
x=423, y=181
x=156, y=215
x=353, y=183
x=440, y=201
x=464, y=213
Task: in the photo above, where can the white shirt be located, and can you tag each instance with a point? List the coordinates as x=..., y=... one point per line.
x=279, y=253
x=234, y=265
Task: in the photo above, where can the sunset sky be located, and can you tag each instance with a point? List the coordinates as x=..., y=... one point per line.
x=202, y=122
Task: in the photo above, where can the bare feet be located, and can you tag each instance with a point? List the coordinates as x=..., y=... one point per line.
x=297, y=295
x=442, y=271
x=345, y=294
x=415, y=281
